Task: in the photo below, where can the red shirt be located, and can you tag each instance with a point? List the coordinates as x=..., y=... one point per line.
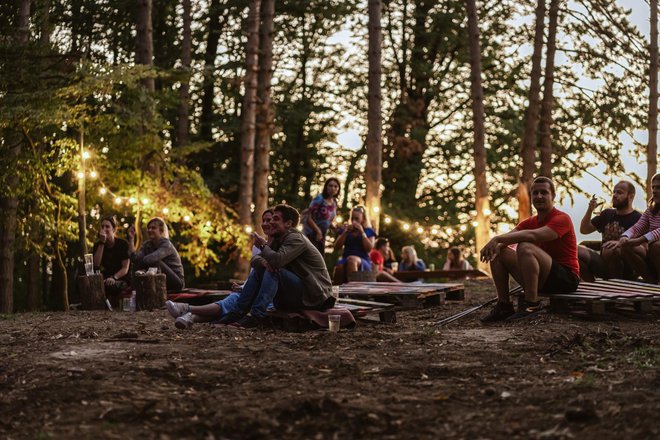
x=377, y=258
x=563, y=249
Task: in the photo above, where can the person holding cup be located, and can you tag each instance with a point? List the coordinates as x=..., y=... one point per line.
x=357, y=240
x=111, y=257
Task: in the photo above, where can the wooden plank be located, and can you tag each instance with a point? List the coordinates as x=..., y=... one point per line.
x=411, y=275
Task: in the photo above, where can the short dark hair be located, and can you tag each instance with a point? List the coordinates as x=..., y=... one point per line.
x=288, y=213
x=267, y=211
x=325, y=193
x=543, y=179
x=381, y=242
x=631, y=187
x=110, y=219
x=455, y=251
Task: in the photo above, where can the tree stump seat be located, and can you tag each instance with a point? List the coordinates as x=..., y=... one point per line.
x=150, y=291
x=92, y=292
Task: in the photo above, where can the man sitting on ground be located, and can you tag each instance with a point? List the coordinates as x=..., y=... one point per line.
x=377, y=256
x=611, y=223
x=545, y=258
x=290, y=272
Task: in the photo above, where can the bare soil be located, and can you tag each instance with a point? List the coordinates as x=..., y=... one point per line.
x=134, y=375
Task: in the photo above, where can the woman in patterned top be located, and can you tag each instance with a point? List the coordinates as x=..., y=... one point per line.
x=640, y=245
x=321, y=212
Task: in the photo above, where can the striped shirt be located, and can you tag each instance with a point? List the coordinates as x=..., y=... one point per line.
x=648, y=226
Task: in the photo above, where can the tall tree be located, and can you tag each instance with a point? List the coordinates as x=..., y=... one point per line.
x=652, y=147
x=545, y=124
x=183, y=124
x=264, y=108
x=144, y=42
x=373, y=168
x=9, y=203
x=214, y=28
x=482, y=205
x=528, y=145
x=248, y=122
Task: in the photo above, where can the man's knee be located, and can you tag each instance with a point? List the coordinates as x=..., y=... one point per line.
x=654, y=248
x=526, y=249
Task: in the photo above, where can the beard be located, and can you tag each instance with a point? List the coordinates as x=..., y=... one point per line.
x=620, y=205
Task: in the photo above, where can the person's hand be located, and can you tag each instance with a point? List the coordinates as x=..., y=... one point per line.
x=259, y=241
x=612, y=244
x=357, y=226
x=632, y=242
x=110, y=281
x=235, y=287
x=594, y=202
x=130, y=232
x=102, y=237
x=490, y=251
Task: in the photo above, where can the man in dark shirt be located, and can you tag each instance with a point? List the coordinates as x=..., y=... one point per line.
x=611, y=223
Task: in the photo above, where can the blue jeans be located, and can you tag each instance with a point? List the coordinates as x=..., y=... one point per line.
x=260, y=290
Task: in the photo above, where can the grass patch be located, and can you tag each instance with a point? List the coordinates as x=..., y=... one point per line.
x=645, y=357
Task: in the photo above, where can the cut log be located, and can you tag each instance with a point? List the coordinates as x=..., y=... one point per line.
x=151, y=291
x=92, y=292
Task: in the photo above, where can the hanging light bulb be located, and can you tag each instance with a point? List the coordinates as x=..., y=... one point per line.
x=117, y=200
x=406, y=226
x=132, y=200
x=145, y=201
x=434, y=231
x=487, y=212
x=420, y=230
x=248, y=229
x=93, y=174
x=376, y=209
x=208, y=223
x=449, y=231
x=463, y=228
x=81, y=175
x=339, y=219
x=475, y=224
x=102, y=191
x=186, y=218
x=165, y=210
x=86, y=155
x=388, y=220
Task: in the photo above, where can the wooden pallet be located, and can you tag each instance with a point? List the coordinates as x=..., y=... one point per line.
x=413, y=275
x=401, y=294
x=608, y=295
x=361, y=308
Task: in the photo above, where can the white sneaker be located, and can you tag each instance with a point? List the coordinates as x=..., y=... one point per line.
x=177, y=309
x=184, y=321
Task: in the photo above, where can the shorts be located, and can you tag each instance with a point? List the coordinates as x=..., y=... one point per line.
x=560, y=280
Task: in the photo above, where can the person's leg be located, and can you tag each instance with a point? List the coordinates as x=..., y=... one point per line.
x=386, y=277
x=174, y=283
x=339, y=275
x=352, y=264
x=534, y=264
x=266, y=292
x=501, y=267
x=584, y=258
x=241, y=303
x=290, y=292
x=654, y=258
x=635, y=257
x=613, y=262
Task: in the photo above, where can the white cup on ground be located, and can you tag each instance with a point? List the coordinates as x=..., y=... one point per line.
x=334, y=323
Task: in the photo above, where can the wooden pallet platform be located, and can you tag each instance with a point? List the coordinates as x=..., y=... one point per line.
x=361, y=308
x=608, y=295
x=412, y=275
x=401, y=294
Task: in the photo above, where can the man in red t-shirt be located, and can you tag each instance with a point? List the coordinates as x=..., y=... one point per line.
x=544, y=260
x=377, y=257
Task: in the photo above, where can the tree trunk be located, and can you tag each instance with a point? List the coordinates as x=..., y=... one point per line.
x=183, y=125
x=248, y=122
x=9, y=205
x=373, y=170
x=264, y=109
x=528, y=146
x=45, y=27
x=144, y=42
x=208, y=84
x=652, y=147
x=482, y=233
x=545, y=125
x=82, y=215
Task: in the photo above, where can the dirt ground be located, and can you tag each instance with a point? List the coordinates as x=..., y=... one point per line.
x=134, y=375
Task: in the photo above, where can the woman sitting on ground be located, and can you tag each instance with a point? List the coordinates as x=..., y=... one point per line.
x=640, y=245
x=455, y=260
x=321, y=213
x=111, y=256
x=158, y=251
x=357, y=240
x=409, y=260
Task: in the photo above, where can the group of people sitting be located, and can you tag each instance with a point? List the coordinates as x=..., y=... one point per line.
x=116, y=258
x=542, y=255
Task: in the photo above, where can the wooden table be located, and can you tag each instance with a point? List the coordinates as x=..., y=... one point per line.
x=413, y=275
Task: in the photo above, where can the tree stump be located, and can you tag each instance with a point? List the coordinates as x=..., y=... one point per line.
x=92, y=292
x=150, y=290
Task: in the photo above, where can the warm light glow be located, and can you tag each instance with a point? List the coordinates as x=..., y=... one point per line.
x=81, y=175
x=420, y=230
x=388, y=220
x=376, y=209
x=299, y=227
x=165, y=210
x=102, y=191
x=487, y=211
x=434, y=231
x=339, y=219
x=85, y=155
x=93, y=174
x=145, y=201
x=186, y=218
x=463, y=228
x=104, y=150
x=132, y=200
x=449, y=230
x=406, y=226
x=248, y=229
x=475, y=224
x=118, y=200
x=208, y=223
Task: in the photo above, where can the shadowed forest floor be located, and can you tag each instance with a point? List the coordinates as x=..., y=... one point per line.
x=134, y=375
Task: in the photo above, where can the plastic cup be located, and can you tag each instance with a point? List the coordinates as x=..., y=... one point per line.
x=335, y=292
x=431, y=267
x=89, y=264
x=333, y=323
x=395, y=267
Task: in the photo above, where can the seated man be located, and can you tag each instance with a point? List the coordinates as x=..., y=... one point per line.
x=377, y=255
x=611, y=223
x=545, y=258
x=290, y=272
